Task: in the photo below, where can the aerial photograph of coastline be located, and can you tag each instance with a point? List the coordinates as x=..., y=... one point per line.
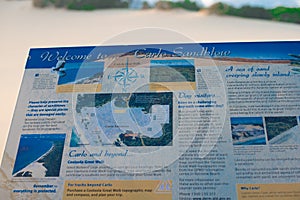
x=125, y=119
x=247, y=131
x=282, y=130
x=39, y=155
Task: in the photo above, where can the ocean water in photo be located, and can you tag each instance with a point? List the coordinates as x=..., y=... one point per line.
x=76, y=71
x=34, y=146
x=258, y=141
x=75, y=140
x=30, y=149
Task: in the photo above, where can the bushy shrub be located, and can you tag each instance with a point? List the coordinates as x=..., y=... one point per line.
x=223, y=9
x=278, y=14
x=286, y=14
x=254, y=12
x=186, y=4
x=81, y=4
x=163, y=5
x=146, y=5
x=60, y=3
x=94, y=4
x=40, y=3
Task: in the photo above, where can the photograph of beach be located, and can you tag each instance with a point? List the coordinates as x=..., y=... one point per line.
x=39, y=155
x=247, y=131
x=81, y=77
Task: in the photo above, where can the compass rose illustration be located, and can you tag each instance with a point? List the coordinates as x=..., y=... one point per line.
x=125, y=77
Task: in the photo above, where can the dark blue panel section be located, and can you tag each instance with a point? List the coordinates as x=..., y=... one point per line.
x=48, y=57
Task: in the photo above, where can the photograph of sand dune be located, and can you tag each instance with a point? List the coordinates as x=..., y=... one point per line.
x=247, y=131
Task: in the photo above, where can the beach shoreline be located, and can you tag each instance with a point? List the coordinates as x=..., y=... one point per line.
x=36, y=168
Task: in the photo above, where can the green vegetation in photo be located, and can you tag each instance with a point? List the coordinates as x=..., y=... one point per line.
x=96, y=4
x=81, y=4
x=245, y=11
x=186, y=4
x=277, y=14
x=286, y=14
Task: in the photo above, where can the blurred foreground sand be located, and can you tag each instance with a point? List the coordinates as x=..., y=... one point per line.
x=23, y=27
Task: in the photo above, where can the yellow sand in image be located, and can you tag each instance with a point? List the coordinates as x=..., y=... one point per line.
x=172, y=86
x=283, y=191
x=78, y=88
x=118, y=190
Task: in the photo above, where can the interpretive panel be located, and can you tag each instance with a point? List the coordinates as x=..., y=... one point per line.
x=211, y=121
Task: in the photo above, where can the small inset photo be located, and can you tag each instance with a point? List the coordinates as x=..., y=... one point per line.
x=247, y=131
x=282, y=130
x=172, y=75
x=39, y=155
x=79, y=77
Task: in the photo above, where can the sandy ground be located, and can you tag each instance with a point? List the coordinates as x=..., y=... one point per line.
x=23, y=26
